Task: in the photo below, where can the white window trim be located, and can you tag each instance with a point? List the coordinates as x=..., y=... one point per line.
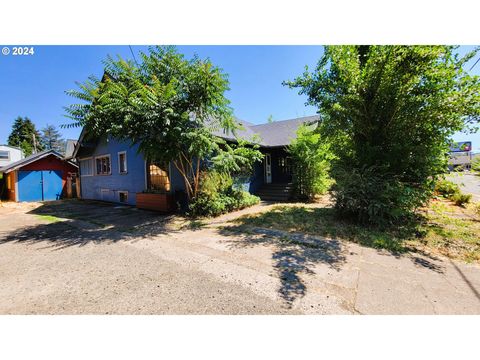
x=122, y=192
x=92, y=166
x=95, y=164
x=126, y=162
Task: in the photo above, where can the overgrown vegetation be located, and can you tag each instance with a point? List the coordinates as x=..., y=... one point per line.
x=390, y=111
x=171, y=108
x=441, y=228
x=311, y=157
x=217, y=195
x=166, y=104
x=452, y=191
x=476, y=164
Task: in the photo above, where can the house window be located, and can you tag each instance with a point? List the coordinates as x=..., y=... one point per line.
x=122, y=162
x=159, y=178
x=123, y=196
x=4, y=155
x=9, y=182
x=86, y=167
x=103, y=165
x=285, y=164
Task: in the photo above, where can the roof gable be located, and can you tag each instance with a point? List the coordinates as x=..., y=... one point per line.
x=32, y=158
x=274, y=134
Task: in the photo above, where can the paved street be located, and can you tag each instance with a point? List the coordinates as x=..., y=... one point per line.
x=104, y=259
x=469, y=183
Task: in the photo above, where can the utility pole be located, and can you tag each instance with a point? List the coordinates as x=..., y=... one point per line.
x=34, y=144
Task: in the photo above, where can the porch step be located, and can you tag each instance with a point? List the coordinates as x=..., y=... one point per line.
x=275, y=192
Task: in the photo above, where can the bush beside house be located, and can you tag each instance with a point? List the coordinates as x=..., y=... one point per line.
x=311, y=157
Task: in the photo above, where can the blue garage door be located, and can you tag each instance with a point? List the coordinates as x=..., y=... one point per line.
x=39, y=185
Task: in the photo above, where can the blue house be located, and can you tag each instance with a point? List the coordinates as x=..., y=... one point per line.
x=114, y=171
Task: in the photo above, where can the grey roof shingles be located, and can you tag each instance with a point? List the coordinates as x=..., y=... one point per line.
x=280, y=133
x=30, y=159
x=273, y=134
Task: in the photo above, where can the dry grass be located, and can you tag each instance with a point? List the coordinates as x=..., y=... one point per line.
x=443, y=228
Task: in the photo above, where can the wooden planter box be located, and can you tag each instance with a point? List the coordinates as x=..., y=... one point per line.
x=156, y=202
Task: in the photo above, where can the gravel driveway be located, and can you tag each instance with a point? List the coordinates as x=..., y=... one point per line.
x=104, y=259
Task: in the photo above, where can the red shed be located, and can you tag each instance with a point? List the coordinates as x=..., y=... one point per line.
x=39, y=177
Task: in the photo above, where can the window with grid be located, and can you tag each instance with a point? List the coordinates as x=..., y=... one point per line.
x=159, y=177
x=103, y=165
x=4, y=155
x=285, y=164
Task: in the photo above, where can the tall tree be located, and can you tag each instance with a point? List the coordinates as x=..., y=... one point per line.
x=25, y=136
x=52, y=139
x=167, y=105
x=390, y=111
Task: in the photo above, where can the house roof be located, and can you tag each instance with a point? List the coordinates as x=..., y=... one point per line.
x=13, y=147
x=281, y=133
x=274, y=134
x=32, y=158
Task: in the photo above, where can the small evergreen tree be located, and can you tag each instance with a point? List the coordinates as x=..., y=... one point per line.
x=25, y=136
x=52, y=139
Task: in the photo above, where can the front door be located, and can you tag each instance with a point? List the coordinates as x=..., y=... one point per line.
x=268, y=169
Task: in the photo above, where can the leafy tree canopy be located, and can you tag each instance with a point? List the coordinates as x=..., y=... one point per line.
x=25, y=136
x=167, y=104
x=389, y=111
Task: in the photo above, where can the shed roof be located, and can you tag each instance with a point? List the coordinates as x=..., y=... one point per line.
x=32, y=158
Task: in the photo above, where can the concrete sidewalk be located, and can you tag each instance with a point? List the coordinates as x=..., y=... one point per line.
x=67, y=268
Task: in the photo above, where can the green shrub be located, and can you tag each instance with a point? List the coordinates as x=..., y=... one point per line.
x=311, y=157
x=368, y=196
x=476, y=164
x=244, y=199
x=452, y=191
x=217, y=196
x=387, y=111
x=461, y=199
x=446, y=188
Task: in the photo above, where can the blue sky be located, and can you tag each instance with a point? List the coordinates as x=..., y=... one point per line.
x=34, y=86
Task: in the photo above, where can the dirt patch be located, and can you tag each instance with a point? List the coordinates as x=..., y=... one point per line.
x=8, y=207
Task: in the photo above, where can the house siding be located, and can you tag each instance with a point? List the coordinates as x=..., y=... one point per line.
x=14, y=155
x=257, y=179
x=107, y=187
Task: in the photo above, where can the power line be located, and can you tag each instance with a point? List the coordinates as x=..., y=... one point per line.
x=474, y=64
x=133, y=55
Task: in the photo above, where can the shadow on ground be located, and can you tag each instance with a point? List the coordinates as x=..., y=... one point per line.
x=80, y=222
x=296, y=253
